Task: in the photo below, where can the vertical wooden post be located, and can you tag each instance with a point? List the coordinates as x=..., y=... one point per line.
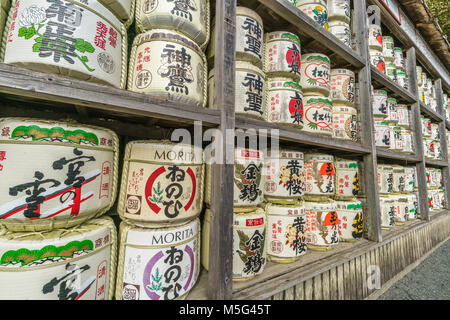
x=372, y=216
x=221, y=232
x=417, y=132
x=443, y=141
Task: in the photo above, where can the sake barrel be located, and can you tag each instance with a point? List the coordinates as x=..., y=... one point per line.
x=351, y=220
x=250, y=87
x=162, y=183
x=431, y=200
x=434, y=131
x=391, y=71
x=249, y=36
x=412, y=214
x=416, y=204
x=342, y=87
x=339, y=10
x=284, y=102
x=284, y=176
x=249, y=240
x=316, y=10
x=55, y=174
x=345, y=124
x=421, y=94
x=399, y=179
x=380, y=104
x=375, y=38
x=387, y=209
x=419, y=75
x=409, y=179
x=424, y=81
x=168, y=65
x=436, y=200
x=382, y=134
x=322, y=225
x=123, y=9
x=282, y=57
x=319, y=177
x=407, y=141
x=377, y=60
x=403, y=115
x=347, y=179
x=157, y=263
x=431, y=149
x=402, y=79
x=396, y=141
x=286, y=232
x=385, y=179
x=442, y=198
x=93, y=47
x=191, y=18
x=401, y=211
x=388, y=48
x=341, y=30
x=426, y=126
x=399, y=59
x=63, y=264
x=433, y=104
x=392, y=115
x=437, y=149
x=318, y=115
x=315, y=74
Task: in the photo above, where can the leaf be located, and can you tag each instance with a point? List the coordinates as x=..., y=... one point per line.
x=30, y=33
x=22, y=32
x=79, y=45
x=39, y=39
x=37, y=46
x=88, y=47
x=84, y=59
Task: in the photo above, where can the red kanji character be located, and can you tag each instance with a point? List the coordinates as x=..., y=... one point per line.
x=112, y=37
x=106, y=239
x=2, y=155
x=6, y=132
x=100, y=37
x=106, y=171
x=103, y=141
x=110, y=143
x=98, y=243
x=1, y=167
x=105, y=186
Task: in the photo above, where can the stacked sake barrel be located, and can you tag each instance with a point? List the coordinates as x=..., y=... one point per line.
x=57, y=180
x=375, y=40
x=431, y=139
x=160, y=200
x=394, y=62
x=426, y=89
x=167, y=59
x=316, y=10
x=436, y=194
x=339, y=20
x=94, y=45
x=397, y=187
x=380, y=114
x=249, y=219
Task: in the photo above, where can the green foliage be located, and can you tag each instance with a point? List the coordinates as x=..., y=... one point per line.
x=441, y=10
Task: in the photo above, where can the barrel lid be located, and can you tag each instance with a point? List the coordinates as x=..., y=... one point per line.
x=244, y=11
x=348, y=163
x=391, y=64
x=293, y=209
x=340, y=23
x=388, y=38
x=392, y=100
x=385, y=167
x=239, y=219
x=315, y=57
x=317, y=99
x=398, y=49
x=282, y=35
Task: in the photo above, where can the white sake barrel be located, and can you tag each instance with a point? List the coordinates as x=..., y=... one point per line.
x=284, y=102
x=93, y=47
x=407, y=141
x=55, y=174
x=391, y=71
x=402, y=79
x=162, y=183
x=399, y=179
x=437, y=149
x=157, y=263
x=347, y=179
x=419, y=75
x=63, y=264
x=385, y=179
x=322, y=225
x=341, y=30
x=421, y=94
x=392, y=115
x=339, y=10
x=436, y=200
x=192, y=18
x=380, y=103
x=430, y=148
x=282, y=55
x=315, y=74
x=430, y=177
x=168, y=65
x=412, y=214
x=403, y=115
x=351, y=220
x=286, y=232
x=375, y=38
x=382, y=134
x=426, y=126
x=396, y=141
x=377, y=60
x=401, y=209
x=318, y=115
x=434, y=131
x=431, y=198
x=387, y=209
x=433, y=104
x=399, y=59
x=123, y=9
x=388, y=48
x=409, y=179
x=442, y=198
x=284, y=176
x=427, y=100
x=342, y=87
x=319, y=177
x=424, y=81
x=316, y=10
x=345, y=124
x=416, y=204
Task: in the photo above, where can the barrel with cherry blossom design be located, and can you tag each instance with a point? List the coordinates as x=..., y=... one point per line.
x=318, y=115
x=94, y=46
x=315, y=74
x=322, y=225
x=319, y=177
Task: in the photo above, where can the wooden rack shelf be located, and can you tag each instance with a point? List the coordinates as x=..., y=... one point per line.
x=430, y=113
x=436, y=163
x=392, y=87
x=392, y=155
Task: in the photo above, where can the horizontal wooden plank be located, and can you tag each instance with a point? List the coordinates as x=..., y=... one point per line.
x=299, y=136
x=18, y=81
x=430, y=113
x=391, y=86
x=435, y=163
x=312, y=29
x=392, y=155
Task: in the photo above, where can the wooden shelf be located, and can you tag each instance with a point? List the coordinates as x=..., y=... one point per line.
x=298, y=136
x=391, y=86
x=392, y=155
x=436, y=163
x=447, y=124
x=22, y=82
x=430, y=113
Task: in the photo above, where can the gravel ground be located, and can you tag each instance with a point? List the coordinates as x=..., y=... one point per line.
x=430, y=280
